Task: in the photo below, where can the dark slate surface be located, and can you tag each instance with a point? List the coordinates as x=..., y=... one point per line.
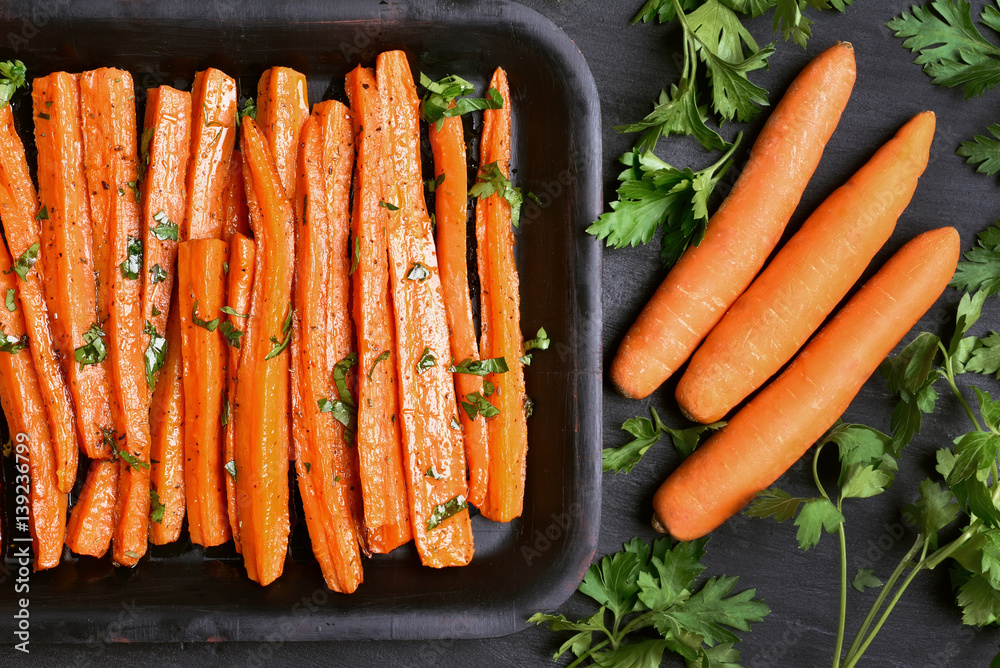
x=631, y=64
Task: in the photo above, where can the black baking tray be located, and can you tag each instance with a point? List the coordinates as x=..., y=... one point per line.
x=187, y=593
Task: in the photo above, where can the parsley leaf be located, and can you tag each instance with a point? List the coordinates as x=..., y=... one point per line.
x=480, y=367
x=446, y=510
x=210, y=325
x=654, y=194
x=27, y=260
x=157, y=274
x=286, y=332
x=983, y=151
x=249, y=108
x=646, y=434
x=132, y=460
x=131, y=267
x=865, y=579
x=426, y=361
x=911, y=376
x=477, y=404
x=155, y=355
x=12, y=344
x=232, y=334
x=93, y=350
x=156, y=509
x=165, y=228
x=10, y=301
x=417, y=272
x=985, y=359
x=490, y=180
x=437, y=103
x=14, y=73
x=383, y=356
x=981, y=268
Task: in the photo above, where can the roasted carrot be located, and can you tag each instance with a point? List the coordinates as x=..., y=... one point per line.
x=708, y=278
x=92, y=520
x=164, y=149
x=201, y=296
x=435, y=456
x=778, y=425
x=451, y=209
x=240, y=284
x=321, y=337
x=20, y=212
x=236, y=216
x=166, y=422
x=262, y=405
x=213, y=135
x=508, y=431
x=111, y=162
x=282, y=109
x=806, y=280
x=35, y=454
x=380, y=450
x=66, y=260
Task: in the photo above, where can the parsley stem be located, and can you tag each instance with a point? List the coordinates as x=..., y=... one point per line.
x=853, y=660
x=950, y=377
x=886, y=589
x=842, y=618
x=935, y=559
x=815, y=469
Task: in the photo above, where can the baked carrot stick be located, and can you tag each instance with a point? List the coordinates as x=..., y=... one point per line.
x=213, y=135
x=262, y=406
x=164, y=149
x=451, y=207
x=322, y=418
x=92, y=520
x=508, y=431
x=282, y=108
x=21, y=213
x=435, y=456
x=201, y=296
x=380, y=450
x=166, y=422
x=806, y=280
x=236, y=215
x=240, y=284
x=66, y=259
x=111, y=162
x=778, y=425
x=744, y=230
x=21, y=398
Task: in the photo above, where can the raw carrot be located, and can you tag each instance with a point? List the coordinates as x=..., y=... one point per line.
x=92, y=520
x=213, y=135
x=164, y=150
x=508, y=431
x=201, y=296
x=166, y=422
x=236, y=215
x=708, y=278
x=241, y=268
x=321, y=337
x=35, y=454
x=66, y=259
x=435, y=457
x=806, y=279
x=778, y=425
x=282, y=109
x=107, y=106
x=451, y=207
x=262, y=406
x=21, y=213
x=380, y=450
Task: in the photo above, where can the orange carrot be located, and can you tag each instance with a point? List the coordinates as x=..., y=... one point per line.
x=166, y=421
x=435, y=457
x=241, y=267
x=380, y=450
x=236, y=216
x=282, y=108
x=807, y=279
x=35, y=454
x=21, y=213
x=92, y=520
x=164, y=150
x=202, y=291
x=262, y=406
x=111, y=167
x=321, y=338
x=778, y=425
x=508, y=431
x=451, y=207
x=708, y=278
x=213, y=135
x=66, y=260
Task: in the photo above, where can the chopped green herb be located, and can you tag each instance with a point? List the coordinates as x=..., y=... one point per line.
x=417, y=272
x=529, y=407
x=132, y=460
x=229, y=310
x=436, y=105
x=156, y=311
x=356, y=257
x=93, y=351
x=336, y=478
x=540, y=342
x=13, y=72
x=432, y=473
x=132, y=265
x=455, y=424
x=12, y=344
x=155, y=355
x=133, y=555
x=491, y=180
x=147, y=137
x=210, y=325
x=340, y=370
x=26, y=261
x=433, y=184
x=426, y=361
x=342, y=413
x=156, y=508
x=249, y=109
x=446, y=510
x=480, y=367
x=231, y=468
x=286, y=331
x=43, y=213
x=308, y=466
x=165, y=228
x=488, y=388
x=11, y=303
x=225, y=267
x=135, y=191
x=226, y=410
x=44, y=116
x=383, y=356
x=477, y=404
x=157, y=274
x=387, y=205
x=232, y=334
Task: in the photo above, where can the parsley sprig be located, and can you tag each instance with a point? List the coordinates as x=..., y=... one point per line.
x=655, y=605
x=436, y=105
x=13, y=73
x=647, y=433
